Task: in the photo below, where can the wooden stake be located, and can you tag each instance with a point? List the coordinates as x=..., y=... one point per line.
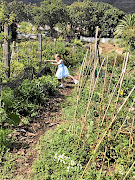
x=97, y=146
x=123, y=75
x=131, y=132
x=114, y=89
x=7, y=50
x=89, y=101
x=129, y=171
x=40, y=50
x=123, y=122
x=111, y=76
x=96, y=45
x=79, y=88
x=102, y=164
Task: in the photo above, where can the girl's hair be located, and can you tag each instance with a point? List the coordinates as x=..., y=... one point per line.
x=57, y=56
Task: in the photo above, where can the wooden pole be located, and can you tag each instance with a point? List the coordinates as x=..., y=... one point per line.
x=0, y=95
x=124, y=71
x=7, y=50
x=96, y=46
x=55, y=45
x=103, y=136
x=40, y=49
x=129, y=171
x=89, y=100
x=113, y=92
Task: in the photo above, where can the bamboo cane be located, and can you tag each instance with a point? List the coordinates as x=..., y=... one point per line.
x=92, y=79
x=103, y=89
x=96, y=45
x=94, y=88
x=129, y=170
x=124, y=71
x=89, y=101
x=80, y=82
x=102, y=164
x=87, y=70
x=97, y=146
x=131, y=132
x=79, y=88
x=120, y=128
x=114, y=89
x=111, y=76
x=123, y=123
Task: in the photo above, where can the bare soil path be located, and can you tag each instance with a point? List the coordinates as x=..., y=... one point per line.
x=26, y=137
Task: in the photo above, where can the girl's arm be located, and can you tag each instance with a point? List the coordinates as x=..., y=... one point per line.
x=58, y=63
x=49, y=60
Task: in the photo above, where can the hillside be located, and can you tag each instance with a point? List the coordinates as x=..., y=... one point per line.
x=124, y=5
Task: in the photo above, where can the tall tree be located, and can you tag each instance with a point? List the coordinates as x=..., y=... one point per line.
x=21, y=11
x=87, y=15
x=83, y=16
x=107, y=18
x=51, y=12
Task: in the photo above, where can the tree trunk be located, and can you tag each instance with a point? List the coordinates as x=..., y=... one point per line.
x=7, y=50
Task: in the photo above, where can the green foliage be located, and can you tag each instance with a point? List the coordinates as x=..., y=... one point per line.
x=27, y=28
x=5, y=15
x=126, y=30
x=7, y=164
x=94, y=14
x=27, y=98
x=3, y=140
x=78, y=42
x=107, y=18
x=87, y=11
x=50, y=13
x=20, y=11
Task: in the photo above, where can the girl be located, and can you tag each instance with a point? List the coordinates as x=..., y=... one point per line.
x=62, y=71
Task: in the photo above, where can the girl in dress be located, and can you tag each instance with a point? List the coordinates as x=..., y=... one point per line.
x=62, y=71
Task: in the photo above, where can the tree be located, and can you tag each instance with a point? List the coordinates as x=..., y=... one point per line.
x=19, y=9
x=107, y=18
x=87, y=15
x=126, y=30
x=83, y=16
x=50, y=13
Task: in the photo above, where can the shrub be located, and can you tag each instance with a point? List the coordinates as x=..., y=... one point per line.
x=27, y=98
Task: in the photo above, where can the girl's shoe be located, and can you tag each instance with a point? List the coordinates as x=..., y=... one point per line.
x=76, y=81
x=61, y=86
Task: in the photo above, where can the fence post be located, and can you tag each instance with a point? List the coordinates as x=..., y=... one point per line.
x=6, y=52
x=0, y=94
x=55, y=45
x=40, y=49
x=96, y=45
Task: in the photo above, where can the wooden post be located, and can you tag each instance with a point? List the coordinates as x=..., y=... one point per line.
x=40, y=49
x=7, y=50
x=74, y=48
x=13, y=50
x=96, y=45
x=55, y=45
x=0, y=95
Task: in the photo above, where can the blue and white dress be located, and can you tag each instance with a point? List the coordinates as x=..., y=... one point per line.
x=62, y=71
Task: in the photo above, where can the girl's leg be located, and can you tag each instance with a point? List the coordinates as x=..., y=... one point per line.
x=62, y=86
x=62, y=81
x=75, y=80
x=71, y=77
